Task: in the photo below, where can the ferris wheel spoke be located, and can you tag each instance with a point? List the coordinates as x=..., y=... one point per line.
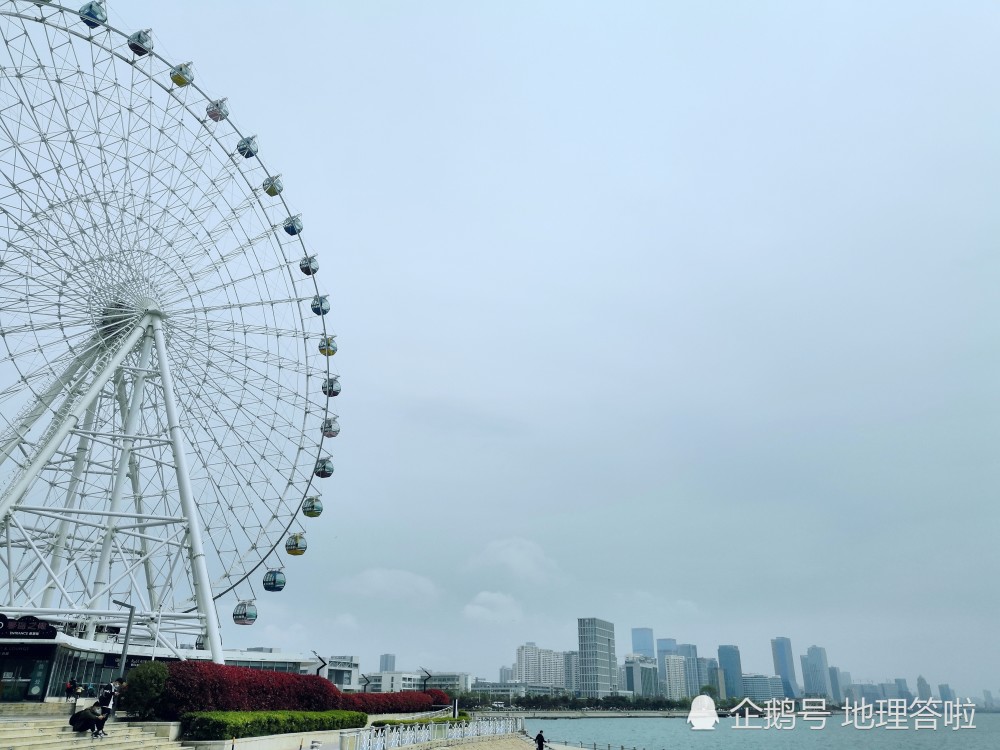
x=58, y=92
x=255, y=360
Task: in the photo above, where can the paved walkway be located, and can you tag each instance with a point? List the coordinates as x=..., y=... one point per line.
x=507, y=742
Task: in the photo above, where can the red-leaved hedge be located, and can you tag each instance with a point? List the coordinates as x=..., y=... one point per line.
x=205, y=686
x=439, y=697
x=386, y=703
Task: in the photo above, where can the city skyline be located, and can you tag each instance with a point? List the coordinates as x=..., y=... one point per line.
x=544, y=669
x=774, y=232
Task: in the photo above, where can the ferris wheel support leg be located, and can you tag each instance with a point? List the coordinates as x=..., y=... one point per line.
x=199, y=567
x=118, y=488
x=10, y=563
x=44, y=401
x=133, y=473
x=70, y=421
x=147, y=563
x=79, y=464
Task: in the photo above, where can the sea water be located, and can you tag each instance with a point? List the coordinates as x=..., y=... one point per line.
x=669, y=733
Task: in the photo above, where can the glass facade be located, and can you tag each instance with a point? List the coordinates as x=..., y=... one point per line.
x=598, y=663
x=732, y=670
x=784, y=665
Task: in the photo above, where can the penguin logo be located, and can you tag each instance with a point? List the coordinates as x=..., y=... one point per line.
x=702, y=714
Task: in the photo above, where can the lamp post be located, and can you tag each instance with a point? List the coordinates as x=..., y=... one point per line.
x=323, y=663
x=128, y=634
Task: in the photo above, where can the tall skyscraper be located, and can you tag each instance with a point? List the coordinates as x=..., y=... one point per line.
x=732, y=670
x=845, y=682
x=708, y=674
x=387, y=663
x=946, y=694
x=835, y=687
x=642, y=642
x=816, y=673
x=784, y=665
x=923, y=689
x=598, y=663
x=904, y=689
x=675, y=683
x=690, y=653
x=664, y=647
x=506, y=675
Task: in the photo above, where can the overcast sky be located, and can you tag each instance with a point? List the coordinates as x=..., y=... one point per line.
x=681, y=315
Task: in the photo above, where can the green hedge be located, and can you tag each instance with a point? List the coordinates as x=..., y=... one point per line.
x=224, y=725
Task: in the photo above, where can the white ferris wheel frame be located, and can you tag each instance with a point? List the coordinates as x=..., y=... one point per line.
x=131, y=368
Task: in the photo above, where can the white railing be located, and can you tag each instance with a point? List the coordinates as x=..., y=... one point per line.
x=402, y=735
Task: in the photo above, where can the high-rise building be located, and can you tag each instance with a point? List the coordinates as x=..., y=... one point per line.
x=675, y=684
x=708, y=674
x=539, y=666
x=640, y=676
x=758, y=687
x=387, y=663
x=784, y=665
x=506, y=675
x=664, y=647
x=988, y=702
x=923, y=689
x=889, y=690
x=732, y=670
x=903, y=689
x=816, y=673
x=690, y=653
x=835, y=688
x=845, y=682
x=642, y=642
x=598, y=663
x=946, y=694
x=571, y=668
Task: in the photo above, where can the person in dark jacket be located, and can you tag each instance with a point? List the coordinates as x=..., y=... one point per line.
x=540, y=741
x=91, y=718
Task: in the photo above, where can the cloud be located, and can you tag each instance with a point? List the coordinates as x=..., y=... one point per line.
x=388, y=583
x=345, y=621
x=494, y=607
x=521, y=557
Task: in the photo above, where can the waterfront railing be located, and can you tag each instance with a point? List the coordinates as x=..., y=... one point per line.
x=403, y=735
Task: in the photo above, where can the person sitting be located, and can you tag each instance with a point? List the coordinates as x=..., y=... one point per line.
x=91, y=718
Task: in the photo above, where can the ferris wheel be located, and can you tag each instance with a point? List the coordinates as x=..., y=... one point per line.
x=165, y=376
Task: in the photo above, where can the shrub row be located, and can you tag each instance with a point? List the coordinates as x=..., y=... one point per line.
x=387, y=703
x=224, y=725
x=439, y=697
x=156, y=690
x=206, y=686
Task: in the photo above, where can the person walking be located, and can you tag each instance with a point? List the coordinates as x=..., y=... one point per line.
x=71, y=689
x=540, y=741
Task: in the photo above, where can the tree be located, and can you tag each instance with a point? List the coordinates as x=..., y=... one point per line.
x=141, y=694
